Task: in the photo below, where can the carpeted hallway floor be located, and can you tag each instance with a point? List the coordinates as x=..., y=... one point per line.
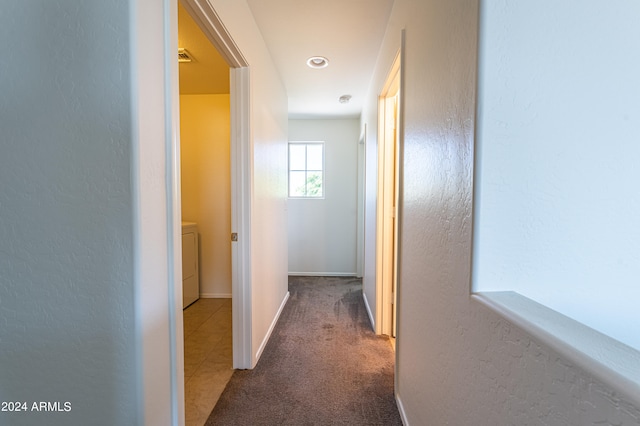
x=322, y=366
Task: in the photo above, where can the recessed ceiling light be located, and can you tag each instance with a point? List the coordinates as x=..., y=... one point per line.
x=344, y=99
x=317, y=62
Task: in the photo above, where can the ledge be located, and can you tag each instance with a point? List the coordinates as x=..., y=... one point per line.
x=611, y=362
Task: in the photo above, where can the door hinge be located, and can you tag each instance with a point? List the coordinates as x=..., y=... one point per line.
x=234, y=236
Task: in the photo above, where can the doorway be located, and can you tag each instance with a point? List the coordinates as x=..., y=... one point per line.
x=205, y=183
x=389, y=155
x=204, y=155
x=156, y=200
x=211, y=25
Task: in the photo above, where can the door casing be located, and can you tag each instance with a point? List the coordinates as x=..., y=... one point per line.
x=212, y=26
x=387, y=227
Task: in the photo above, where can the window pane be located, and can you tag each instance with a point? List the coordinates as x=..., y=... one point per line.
x=314, y=184
x=314, y=157
x=306, y=163
x=297, y=156
x=297, y=184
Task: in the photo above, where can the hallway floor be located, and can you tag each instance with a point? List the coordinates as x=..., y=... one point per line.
x=323, y=365
x=207, y=356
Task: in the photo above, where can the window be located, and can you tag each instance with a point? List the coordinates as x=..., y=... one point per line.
x=306, y=169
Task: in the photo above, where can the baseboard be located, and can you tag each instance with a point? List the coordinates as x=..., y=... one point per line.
x=271, y=327
x=366, y=305
x=403, y=414
x=215, y=295
x=322, y=274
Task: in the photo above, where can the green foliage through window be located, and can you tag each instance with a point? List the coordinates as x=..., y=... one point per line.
x=306, y=169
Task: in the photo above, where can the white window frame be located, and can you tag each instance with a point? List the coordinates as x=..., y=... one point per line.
x=306, y=170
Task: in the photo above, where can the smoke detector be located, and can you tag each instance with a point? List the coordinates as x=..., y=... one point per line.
x=184, y=55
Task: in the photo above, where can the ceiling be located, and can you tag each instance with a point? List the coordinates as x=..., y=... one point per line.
x=208, y=73
x=347, y=32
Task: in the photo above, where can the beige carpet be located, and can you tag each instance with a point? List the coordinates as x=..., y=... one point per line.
x=322, y=366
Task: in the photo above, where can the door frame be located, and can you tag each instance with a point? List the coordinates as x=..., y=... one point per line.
x=212, y=26
x=361, y=210
x=389, y=198
x=155, y=186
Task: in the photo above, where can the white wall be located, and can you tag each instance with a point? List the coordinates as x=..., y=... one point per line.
x=369, y=131
x=67, y=309
x=322, y=232
x=269, y=173
x=558, y=172
x=457, y=362
x=206, y=185
x=84, y=295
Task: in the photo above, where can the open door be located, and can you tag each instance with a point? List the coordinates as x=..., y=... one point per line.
x=388, y=195
x=211, y=25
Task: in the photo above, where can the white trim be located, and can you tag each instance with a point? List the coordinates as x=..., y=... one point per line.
x=401, y=410
x=158, y=290
x=387, y=197
x=215, y=295
x=379, y=313
x=361, y=210
x=323, y=274
x=611, y=362
x=141, y=305
x=241, y=168
x=369, y=313
x=174, y=212
x=213, y=28
x=272, y=326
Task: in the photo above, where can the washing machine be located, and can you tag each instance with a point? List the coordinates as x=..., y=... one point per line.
x=190, y=270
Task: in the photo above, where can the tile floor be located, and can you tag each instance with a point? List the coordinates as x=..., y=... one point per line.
x=207, y=356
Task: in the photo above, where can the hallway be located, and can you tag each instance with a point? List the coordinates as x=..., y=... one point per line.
x=322, y=365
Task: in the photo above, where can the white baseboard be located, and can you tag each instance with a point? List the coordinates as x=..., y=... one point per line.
x=215, y=295
x=271, y=327
x=366, y=305
x=322, y=274
x=403, y=414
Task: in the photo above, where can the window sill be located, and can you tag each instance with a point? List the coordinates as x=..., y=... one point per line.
x=611, y=362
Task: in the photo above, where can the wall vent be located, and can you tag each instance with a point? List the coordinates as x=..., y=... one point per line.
x=184, y=55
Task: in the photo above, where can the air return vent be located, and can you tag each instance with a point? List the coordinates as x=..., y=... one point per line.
x=184, y=55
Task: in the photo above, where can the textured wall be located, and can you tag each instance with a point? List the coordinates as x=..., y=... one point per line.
x=206, y=185
x=269, y=172
x=322, y=232
x=559, y=149
x=66, y=245
x=459, y=364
